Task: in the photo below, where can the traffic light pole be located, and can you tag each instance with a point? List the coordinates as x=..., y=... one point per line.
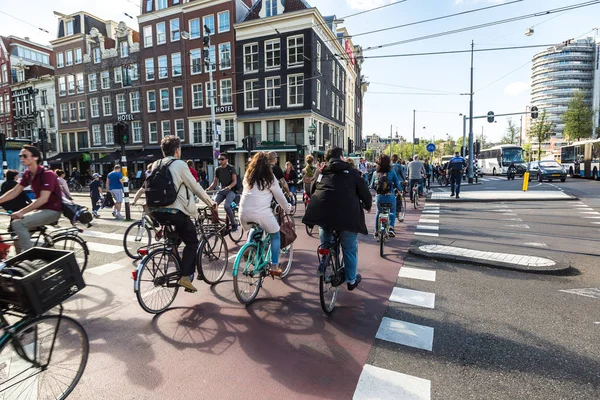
x=470, y=168
x=213, y=99
x=413, y=143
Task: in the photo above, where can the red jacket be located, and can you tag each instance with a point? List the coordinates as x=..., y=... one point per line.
x=195, y=174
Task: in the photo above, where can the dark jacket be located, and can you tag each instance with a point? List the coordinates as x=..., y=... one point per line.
x=19, y=202
x=338, y=197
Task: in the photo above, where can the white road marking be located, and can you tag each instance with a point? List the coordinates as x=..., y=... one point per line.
x=590, y=212
x=416, y=273
x=509, y=213
x=523, y=226
x=428, y=227
x=432, y=204
x=426, y=234
x=597, y=323
x=533, y=244
x=413, y=297
x=588, y=292
x=104, y=269
x=429, y=221
x=405, y=333
x=104, y=248
x=591, y=217
x=513, y=219
x=379, y=383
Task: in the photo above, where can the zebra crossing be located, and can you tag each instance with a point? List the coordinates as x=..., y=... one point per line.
x=492, y=178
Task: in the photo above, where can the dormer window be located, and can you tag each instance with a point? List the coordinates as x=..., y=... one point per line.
x=97, y=55
x=68, y=28
x=124, y=49
x=271, y=6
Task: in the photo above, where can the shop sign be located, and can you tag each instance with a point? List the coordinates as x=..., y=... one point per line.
x=124, y=117
x=223, y=109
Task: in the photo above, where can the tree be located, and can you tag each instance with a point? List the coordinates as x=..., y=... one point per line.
x=540, y=131
x=578, y=119
x=598, y=132
x=511, y=133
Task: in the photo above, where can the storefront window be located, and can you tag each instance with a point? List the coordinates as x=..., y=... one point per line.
x=273, y=131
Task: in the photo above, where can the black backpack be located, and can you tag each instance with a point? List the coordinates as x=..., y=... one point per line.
x=160, y=188
x=382, y=184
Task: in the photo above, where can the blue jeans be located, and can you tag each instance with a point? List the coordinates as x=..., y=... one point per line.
x=349, y=241
x=229, y=197
x=455, y=180
x=386, y=198
x=293, y=192
x=275, y=245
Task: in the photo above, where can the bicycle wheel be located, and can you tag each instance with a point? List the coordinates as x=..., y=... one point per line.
x=327, y=292
x=381, y=241
x=136, y=236
x=76, y=245
x=212, y=259
x=294, y=201
x=285, y=260
x=401, y=212
x=156, y=284
x=238, y=235
x=246, y=279
x=44, y=360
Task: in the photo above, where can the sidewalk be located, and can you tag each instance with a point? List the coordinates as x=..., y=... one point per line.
x=502, y=195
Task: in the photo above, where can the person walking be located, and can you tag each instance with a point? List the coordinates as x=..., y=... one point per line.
x=19, y=202
x=308, y=173
x=416, y=171
x=386, y=183
x=95, y=194
x=428, y=173
x=190, y=164
x=456, y=167
x=115, y=187
x=339, y=196
x=64, y=186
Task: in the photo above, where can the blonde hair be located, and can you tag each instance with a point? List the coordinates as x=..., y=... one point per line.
x=351, y=162
x=289, y=164
x=309, y=159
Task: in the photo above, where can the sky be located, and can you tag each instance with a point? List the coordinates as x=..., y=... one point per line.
x=431, y=85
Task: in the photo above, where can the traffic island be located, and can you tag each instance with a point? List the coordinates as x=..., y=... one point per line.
x=517, y=262
x=502, y=195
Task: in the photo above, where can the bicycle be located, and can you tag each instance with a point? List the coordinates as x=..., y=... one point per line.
x=155, y=280
x=331, y=272
x=236, y=236
x=74, y=186
x=383, y=225
x=142, y=232
x=306, y=199
x=415, y=195
x=67, y=239
x=400, y=205
x=250, y=266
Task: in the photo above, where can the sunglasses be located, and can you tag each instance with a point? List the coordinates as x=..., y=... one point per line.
x=23, y=155
x=222, y=159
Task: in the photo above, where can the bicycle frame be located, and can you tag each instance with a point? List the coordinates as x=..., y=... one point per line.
x=263, y=250
x=331, y=249
x=384, y=222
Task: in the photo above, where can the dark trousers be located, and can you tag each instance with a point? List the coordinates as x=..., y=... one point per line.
x=455, y=180
x=187, y=232
x=411, y=184
x=95, y=200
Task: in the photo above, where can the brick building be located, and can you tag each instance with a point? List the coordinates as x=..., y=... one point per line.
x=6, y=118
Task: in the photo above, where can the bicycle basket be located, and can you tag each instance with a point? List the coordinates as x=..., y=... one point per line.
x=39, y=279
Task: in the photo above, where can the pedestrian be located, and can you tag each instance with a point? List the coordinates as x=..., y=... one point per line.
x=19, y=202
x=362, y=167
x=115, y=187
x=190, y=165
x=291, y=177
x=64, y=187
x=416, y=171
x=386, y=183
x=456, y=167
x=308, y=173
x=95, y=194
x=75, y=175
x=203, y=180
x=148, y=170
x=428, y=173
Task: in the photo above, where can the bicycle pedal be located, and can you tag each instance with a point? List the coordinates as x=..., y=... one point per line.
x=190, y=290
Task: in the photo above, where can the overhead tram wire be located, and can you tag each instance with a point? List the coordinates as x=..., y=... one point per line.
x=25, y=22
x=486, y=25
x=413, y=88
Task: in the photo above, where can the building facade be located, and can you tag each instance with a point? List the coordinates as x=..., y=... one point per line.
x=6, y=118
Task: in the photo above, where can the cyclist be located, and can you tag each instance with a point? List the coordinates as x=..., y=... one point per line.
x=278, y=172
x=255, y=205
x=456, y=167
x=338, y=197
x=428, y=173
x=308, y=173
x=398, y=168
x=291, y=177
x=22, y=200
x=75, y=176
x=47, y=206
x=178, y=214
x=416, y=171
x=226, y=176
x=386, y=182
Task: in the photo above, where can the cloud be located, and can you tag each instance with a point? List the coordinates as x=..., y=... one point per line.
x=517, y=88
x=367, y=4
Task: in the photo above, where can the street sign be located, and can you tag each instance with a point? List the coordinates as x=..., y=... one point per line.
x=431, y=147
x=416, y=140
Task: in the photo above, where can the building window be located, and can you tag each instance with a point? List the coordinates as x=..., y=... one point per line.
x=229, y=130
x=195, y=28
x=294, y=131
x=251, y=95
x=124, y=49
x=92, y=82
x=318, y=95
x=332, y=105
x=51, y=122
x=134, y=102
x=133, y=72
x=251, y=57
x=164, y=99
x=295, y=48
x=273, y=131
x=5, y=72
x=64, y=113
x=152, y=132
x=271, y=8
x=106, y=106
x=252, y=129
x=73, y=112
x=211, y=93
x=226, y=92
x=105, y=76
x=272, y=54
x=225, y=56
x=209, y=131
x=97, y=55
x=62, y=86
x=176, y=64
x=161, y=34
x=197, y=132
x=68, y=28
x=43, y=100
x=149, y=69
x=80, y=86
x=166, y=128
x=178, y=98
x=209, y=21
x=197, y=95
x=175, y=32
x=224, y=22
x=148, y=36
x=118, y=75
x=71, y=84
x=196, y=61
x=296, y=90
x=60, y=60
x=162, y=4
x=82, y=110
x=319, y=56
x=78, y=56
x=94, y=108
x=121, y=104
x=109, y=136
x=96, y=135
x=69, y=57
x=273, y=92
x=180, y=129
x=163, y=69
x=212, y=57
x=136, y=127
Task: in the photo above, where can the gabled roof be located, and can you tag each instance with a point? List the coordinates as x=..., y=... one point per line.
x=289, y=6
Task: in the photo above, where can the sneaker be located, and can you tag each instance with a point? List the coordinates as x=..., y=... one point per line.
x=234, y=228
x=391, y=233
x=186, y=282
x=451, y=194
x=114, y=214
x=457, y=196
x=376, y=235
x=352, y=286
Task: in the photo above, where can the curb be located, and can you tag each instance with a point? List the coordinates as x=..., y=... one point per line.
x=415, y=250
x=463, y=200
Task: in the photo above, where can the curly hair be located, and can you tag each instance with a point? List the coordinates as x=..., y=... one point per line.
x=383, y=164
x=259, y=172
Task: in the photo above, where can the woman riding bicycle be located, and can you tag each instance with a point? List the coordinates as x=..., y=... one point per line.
x=260, y=188
x=308, y=173
x=291, y=177
x=386, y=182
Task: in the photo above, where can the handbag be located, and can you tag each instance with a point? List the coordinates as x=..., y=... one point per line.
x=287, y=230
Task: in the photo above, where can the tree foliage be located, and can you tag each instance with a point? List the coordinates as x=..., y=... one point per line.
x=511, y=133
x=541, y=130
x=578, y=119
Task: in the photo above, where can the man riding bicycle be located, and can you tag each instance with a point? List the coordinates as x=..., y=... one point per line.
x=226, y=176
x=338, y=196
x=45, y=209
x=416, y=172
x=178, y=213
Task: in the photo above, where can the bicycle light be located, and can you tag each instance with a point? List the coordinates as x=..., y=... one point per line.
x=323, y=252
x=134, y=275
x=143, y=252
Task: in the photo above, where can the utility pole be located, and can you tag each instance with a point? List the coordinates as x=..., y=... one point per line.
x=413, y=142
x=470, y=170
x=208, y=64
x=464, y=143
x=521, y=133
x=122, y=135
x=391, y=139
x=4, y=162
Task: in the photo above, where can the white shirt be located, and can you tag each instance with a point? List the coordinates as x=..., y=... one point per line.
x=255, y=206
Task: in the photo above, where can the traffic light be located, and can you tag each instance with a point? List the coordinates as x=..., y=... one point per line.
x=299, y=149
x=490, y=117
x=477, y=147
x=245, y=143
x=249, y=143
x=534, y=112
x=121, y=133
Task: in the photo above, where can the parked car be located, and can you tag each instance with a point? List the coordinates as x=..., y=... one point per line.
x=547, y=169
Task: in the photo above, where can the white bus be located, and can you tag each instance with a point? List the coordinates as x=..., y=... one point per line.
x=582, y=159
x=496, y=160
